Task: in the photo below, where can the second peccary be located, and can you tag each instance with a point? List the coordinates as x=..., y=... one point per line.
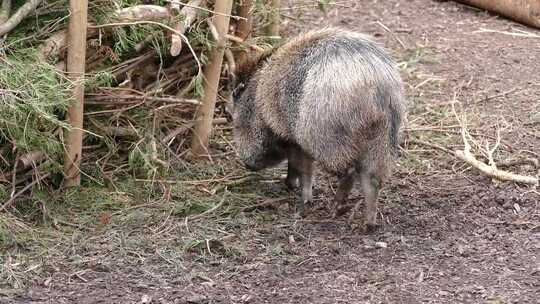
x=331, y=96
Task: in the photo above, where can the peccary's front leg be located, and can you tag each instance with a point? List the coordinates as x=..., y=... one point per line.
x=293, y=173
x=346, y=183
x=300, y=168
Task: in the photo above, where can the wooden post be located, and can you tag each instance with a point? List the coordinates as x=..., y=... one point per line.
x=275, y=18
x=243, y=29
x=205, y=113
x=75, y=70
x=524, y=11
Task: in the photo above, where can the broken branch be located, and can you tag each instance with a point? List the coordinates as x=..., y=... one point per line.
x=23, y=190
x=190, y=15
x=21, y=13
x=492, y=171
x=5, y=10
x=54, y=45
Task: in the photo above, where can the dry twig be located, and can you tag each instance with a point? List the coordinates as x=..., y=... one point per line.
x=516, y=33
x=489, y=169
x=393, y=35
x=266, y=203
x=209, y=211
x=23, y=190
x=206, y=10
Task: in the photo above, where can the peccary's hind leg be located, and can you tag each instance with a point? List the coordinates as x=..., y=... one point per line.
x=371, y=185
x=346, y=183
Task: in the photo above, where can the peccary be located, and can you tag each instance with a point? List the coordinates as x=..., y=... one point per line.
x=332, y=96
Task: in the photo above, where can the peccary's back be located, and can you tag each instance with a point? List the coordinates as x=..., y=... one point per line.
x=335, y=93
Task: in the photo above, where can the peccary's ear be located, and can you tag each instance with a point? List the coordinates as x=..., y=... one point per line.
x=229, y=106
x=229, y=97
x=232, y=77
x=231, y=82
x=247, y=64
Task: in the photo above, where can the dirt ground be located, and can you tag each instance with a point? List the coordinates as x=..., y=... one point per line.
x=449, y=234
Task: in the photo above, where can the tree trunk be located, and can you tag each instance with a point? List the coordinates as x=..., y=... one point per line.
x=75, y=69
x=273, y=27
x=205, y=114
x=243, y=30
x=524, y=11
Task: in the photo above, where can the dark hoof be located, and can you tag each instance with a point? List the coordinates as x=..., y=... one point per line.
x=363, y=227
x=299, y=214
x=291, y=183
x=371, y=228
x=300, y=210
x=339, y=211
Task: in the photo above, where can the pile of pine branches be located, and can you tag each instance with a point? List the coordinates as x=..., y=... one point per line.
x=144, y=83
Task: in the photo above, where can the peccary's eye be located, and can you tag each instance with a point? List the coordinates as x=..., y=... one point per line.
x=238, y=90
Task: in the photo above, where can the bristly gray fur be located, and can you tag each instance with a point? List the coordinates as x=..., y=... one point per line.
x=334, y=93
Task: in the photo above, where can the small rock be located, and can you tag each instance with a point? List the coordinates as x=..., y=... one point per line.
x=208, y=284
x=196, y=299
x=444, y=293
x=291, y=239
x=381, y=244
x=246, y=298
x=47, y=282
x=146, y=299
x=535, y=118
x=345, y=278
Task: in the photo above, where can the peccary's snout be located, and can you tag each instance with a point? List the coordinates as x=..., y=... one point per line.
x=252, y=167
x=272, y=156
x=229, y=110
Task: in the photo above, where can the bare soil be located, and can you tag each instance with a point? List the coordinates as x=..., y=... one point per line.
x=449, y=234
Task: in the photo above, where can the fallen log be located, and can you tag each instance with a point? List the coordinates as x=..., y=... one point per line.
x=5, y=11
x=523, y=11
x=16, y=18
x=190, y=15
x=54, y=45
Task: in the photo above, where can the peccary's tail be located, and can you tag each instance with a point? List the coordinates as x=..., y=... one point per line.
x=396, y=118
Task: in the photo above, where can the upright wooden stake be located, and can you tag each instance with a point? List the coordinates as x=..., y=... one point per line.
x=243, y=30
x=75, y=69
x=205, y=114
x=275, y=18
